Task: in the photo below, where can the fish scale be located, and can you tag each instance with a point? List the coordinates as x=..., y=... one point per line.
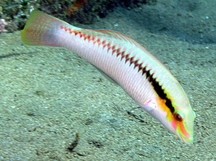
x=116, y=51
x=124, y=60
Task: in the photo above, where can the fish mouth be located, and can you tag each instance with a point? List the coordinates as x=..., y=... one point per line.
x=187, y=140
x=189, y=136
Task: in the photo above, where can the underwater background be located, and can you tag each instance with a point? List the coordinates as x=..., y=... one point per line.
x=55, y=106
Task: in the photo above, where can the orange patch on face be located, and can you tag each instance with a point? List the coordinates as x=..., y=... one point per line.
x=180, y=126
x=183, y=130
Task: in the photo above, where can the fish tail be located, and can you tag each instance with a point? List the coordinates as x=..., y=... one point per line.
x=43, y=29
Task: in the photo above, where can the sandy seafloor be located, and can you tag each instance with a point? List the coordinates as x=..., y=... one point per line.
x=49, y=95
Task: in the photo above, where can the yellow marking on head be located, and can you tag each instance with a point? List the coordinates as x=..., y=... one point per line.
x=163, y=106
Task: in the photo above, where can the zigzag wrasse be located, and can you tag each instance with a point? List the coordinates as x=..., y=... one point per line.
x=128, y=63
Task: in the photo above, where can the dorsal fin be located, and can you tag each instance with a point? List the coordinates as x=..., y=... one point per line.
x=111, y=34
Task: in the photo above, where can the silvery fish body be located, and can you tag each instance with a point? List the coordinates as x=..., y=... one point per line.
x=136, y=70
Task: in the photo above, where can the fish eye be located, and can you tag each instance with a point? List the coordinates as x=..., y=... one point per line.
x=178, y=117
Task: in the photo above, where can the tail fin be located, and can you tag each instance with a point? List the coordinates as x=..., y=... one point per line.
x=42, y=29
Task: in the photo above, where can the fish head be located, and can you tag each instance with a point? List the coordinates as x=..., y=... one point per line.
x=183, y=124
x=179, y=122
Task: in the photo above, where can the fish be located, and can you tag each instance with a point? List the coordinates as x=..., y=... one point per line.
x=124, y=60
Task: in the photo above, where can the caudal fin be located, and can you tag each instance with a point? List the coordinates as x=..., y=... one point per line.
x=43, y=29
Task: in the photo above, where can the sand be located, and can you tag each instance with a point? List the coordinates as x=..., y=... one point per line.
x=50, y=98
